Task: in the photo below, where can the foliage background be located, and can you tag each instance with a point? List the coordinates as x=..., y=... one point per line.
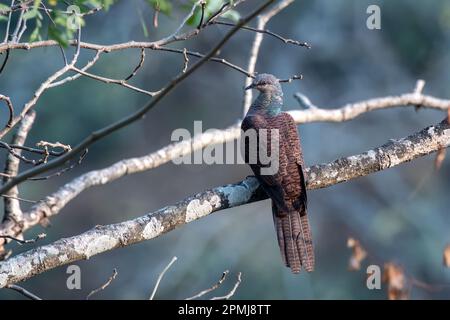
x=399, y=215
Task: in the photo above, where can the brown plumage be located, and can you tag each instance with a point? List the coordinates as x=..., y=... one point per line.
x=286, y=187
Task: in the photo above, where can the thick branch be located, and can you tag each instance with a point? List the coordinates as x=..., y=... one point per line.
x=149, y=226
x=12, y=205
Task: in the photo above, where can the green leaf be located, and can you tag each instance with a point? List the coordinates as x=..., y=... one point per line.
x=143, y=25
x=35, y=35
x=55, y=34
x=164, y=6
x=30, y=14
x=232, y=15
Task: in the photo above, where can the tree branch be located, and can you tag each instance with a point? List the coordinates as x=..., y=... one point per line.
x=10, y=109
x=23, y=292
x=149, y=226
x=12, y=206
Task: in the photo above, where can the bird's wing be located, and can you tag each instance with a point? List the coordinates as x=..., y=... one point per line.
x=296, y=154
x=272, y=184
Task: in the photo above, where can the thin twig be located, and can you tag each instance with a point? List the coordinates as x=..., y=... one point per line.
x=45, y=144
x=203, y=6
x=122, y=83
x=136, y=69
x=31, y=103
x=214, y=287
x=216, y=14
x=76, y=76
x=17, y=198
x=161, y=275
x=5, y=61
x=233, y=290
x=186, y=60
x=289, y=80
x=22, y=242
x=23, y=292
x=10, y=109
x=62, y=171
x=8, y=24
x=268, y=32
x=18, y=27
x=19, y=156
x=200, y=55
x=33, y=150
x=174, y=36
x=104, y=286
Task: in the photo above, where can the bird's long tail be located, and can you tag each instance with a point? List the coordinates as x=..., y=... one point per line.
x=294, y=239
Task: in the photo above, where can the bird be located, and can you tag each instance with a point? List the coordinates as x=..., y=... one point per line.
x=287, y=186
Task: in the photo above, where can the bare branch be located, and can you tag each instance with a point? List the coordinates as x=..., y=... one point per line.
x=86, y=67
x=8, y=24
x=353, y=110
x=57, y=144
x=214, y=287
x=136, y=69
x=149, y=226
x=289, y=80
x=30, y=104
x=186, y=60
x=233, y=290
x=11, y=201
x=10, y=109
x=19, y=199
x=64, y=170
x=268, y=32
x=199, y=55
x=23, y=292
x=5, y=61
x=28, y=241
x=122, y=83
x=32, y=150
x=174, y=35
x=161, y=275
x=203, y=5
x=14, y=36
x=103, y=286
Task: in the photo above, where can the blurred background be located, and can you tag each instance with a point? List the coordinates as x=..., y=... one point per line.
x=399, y=215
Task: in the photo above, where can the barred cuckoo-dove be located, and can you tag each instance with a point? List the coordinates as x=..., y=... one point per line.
x=286, y=187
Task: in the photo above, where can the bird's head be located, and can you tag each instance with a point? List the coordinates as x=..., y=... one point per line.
x=265, y=83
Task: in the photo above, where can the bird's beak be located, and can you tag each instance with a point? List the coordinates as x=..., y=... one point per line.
x=251, y=86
